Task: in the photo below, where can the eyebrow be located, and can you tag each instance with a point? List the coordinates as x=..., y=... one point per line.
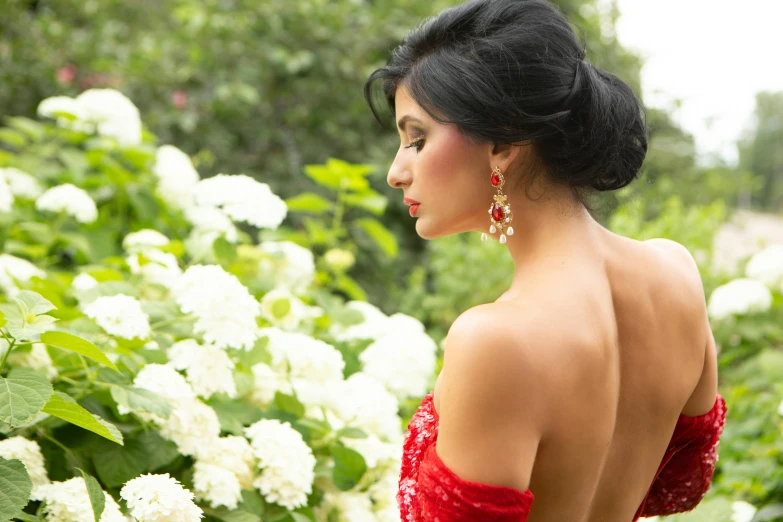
x=405, y=119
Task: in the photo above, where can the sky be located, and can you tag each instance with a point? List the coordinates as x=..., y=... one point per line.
x=713, y=55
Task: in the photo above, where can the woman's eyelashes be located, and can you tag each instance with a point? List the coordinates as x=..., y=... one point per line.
x=419, y=143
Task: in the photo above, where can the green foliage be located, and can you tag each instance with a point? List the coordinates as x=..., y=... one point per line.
x=760, y=151
x=15, y=487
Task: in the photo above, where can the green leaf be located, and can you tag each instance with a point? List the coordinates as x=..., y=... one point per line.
x=349, y=466
x=768, y=512
x=115, y=465
x=15, y=488
x=34, y=303
x=234, y=414
x=30, y=127
x=227, y=515
x=298, y=517
x=381, y=235
x=94, y=490
x=3, y=320
x=309, y=202
x=374, y=202
x=351, y=432
x=225, y=252
x=76, y=344
x=252, y=502
x=22, y=395
x=64, y=407
x=13, y=138
x=136, y=399
x=29, y=329
x=289, y=404
x=347, y=284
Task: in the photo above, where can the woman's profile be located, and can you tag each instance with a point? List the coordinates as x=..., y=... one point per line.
x=588, y=391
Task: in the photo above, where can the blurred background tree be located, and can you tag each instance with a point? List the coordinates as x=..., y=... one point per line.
x=267, y=87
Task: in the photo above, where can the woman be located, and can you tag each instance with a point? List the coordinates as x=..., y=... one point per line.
x=588, y=391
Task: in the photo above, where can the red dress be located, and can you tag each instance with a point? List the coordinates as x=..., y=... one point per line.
x=431, y=492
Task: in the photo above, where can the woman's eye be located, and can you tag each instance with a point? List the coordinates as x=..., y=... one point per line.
x=418, y=144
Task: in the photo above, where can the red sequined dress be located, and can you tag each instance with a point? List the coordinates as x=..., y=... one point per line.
x=431, y=492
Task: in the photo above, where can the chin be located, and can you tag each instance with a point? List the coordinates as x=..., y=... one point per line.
x=427, y=232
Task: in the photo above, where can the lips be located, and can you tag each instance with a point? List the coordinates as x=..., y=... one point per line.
x=414, y=208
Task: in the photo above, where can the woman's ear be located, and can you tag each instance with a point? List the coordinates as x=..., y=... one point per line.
x=503, y=155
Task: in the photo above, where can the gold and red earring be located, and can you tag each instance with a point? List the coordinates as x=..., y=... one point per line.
x=499, y=212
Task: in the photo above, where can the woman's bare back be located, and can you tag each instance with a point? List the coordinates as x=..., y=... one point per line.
x=640, y=307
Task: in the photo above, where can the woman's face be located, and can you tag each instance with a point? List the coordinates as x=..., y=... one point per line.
x=442, y=170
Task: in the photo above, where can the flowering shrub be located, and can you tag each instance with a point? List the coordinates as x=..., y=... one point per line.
x=159, y=364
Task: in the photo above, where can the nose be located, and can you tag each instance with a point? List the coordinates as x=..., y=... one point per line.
x=399, y=173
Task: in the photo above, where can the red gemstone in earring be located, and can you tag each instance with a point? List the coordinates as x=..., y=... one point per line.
x=497, y=212
x=495, y=179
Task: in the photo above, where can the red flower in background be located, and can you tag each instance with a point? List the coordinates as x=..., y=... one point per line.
x=180, y=99
x=65, y=75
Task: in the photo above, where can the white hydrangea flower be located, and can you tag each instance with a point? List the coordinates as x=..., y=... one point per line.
x=70, y=199
x=69, y=502
x=84, y=281
x=404, y=362
x=298, y=360
x=163, y=380
x=52, y=107
x=287, y=463
x=740, y=296
x=384, y=492
x=13, y=269
x=143, y=239
x=219, y=486
x=29, y=452
x=113, y=113
x=364, y=402
x=21, y=183
x=742, y=511
x=284, y=310
x=374, y=450
x=160, y=498
x=191, y=425
x=120, y=315
x=767, y=266
x=208, y=368
x=159, y=267
x=233, y=453
x=37, y=358
x=266, y=382
x=242, y=199
x=211, y=222
x=374, y=326
x=347, y=506
x=6, y=196
x=388, y=514
x=224, y=309
x=176, y=176
x=293, y=265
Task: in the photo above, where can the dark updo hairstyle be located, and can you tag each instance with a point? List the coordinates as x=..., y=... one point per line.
x=512, y=71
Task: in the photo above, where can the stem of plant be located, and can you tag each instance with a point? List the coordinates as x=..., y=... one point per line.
x=7, y=352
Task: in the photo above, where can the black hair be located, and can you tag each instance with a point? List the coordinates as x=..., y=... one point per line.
x=513, y=71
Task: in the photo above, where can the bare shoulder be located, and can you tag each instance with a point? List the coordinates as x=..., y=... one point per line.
x=492, y=404
x=678, y=265
x=695, y=319
x=500, y=355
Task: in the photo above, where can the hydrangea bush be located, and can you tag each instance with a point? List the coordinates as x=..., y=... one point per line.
x=168, y=353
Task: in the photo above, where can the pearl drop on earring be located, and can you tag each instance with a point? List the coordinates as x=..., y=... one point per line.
x=492, y=229
x=502, y=238
x=510, y=231
x=483, y=236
